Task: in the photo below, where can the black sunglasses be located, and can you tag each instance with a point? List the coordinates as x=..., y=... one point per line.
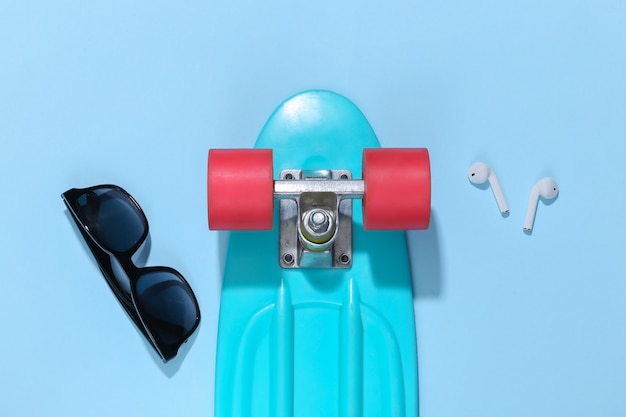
x=158, y=299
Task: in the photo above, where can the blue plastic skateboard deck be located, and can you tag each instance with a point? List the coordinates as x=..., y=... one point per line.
x=317, y=342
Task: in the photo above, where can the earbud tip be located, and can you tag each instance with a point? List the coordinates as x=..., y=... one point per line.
x=478, y=173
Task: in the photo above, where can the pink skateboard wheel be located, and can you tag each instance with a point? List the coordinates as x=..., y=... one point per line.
x=240, y=189
x=397, y=189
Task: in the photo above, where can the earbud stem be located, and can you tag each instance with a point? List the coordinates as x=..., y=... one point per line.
x=531, y=210
x=498, y=194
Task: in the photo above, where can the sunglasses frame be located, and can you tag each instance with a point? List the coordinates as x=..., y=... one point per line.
x=106, y=256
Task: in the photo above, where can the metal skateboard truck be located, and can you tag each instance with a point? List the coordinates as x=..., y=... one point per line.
x=316, y=217
x=315, y=206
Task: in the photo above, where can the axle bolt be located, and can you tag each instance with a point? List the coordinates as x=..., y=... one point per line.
x=318, y=221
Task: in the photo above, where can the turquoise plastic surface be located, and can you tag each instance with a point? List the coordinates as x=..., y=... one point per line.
x=317, y=342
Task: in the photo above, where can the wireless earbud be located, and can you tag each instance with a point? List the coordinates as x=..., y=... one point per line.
x=545, y=188
x=479, y=173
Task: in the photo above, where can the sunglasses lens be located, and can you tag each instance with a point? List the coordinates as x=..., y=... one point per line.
x=168, y=309
x=112, y=218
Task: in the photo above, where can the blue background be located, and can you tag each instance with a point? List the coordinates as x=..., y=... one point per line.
x=135, y=93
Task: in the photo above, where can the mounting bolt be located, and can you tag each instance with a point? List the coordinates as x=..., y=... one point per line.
x=288, y=258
